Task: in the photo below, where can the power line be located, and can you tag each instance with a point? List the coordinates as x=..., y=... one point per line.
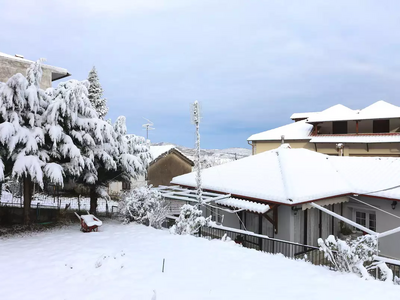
x=370, y=205
x=382, y=190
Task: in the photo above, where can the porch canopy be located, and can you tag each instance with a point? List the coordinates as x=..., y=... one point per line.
x=189, y=195
x=298, y=176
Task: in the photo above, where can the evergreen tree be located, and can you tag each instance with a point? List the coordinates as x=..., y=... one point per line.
x=131, y=157
x=22, y=136
x=96, y=94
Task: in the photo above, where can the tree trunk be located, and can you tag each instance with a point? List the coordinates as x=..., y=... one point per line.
x=93, y=200
x=28, y=192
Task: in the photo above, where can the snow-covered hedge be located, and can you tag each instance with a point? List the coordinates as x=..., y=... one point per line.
x=189, y=221
x=144, y=205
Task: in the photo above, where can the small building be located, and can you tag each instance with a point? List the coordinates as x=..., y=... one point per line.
x=372, y=131
x=272, y=193
x=11, y=65
x=168, y=162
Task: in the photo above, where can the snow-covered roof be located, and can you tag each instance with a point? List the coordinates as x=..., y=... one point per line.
x=157, y=151
x=377, y=110
x=293, y=176
x=306, y=115
x=244, y=204
x=295, y=131
x=357, y=138
x=57, y=72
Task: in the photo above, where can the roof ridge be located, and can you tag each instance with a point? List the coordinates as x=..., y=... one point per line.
x=281, y=171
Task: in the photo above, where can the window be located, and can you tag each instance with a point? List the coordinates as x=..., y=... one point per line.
x=366, y=219
x=126, y=185
x=339, y=127
x=380, y=126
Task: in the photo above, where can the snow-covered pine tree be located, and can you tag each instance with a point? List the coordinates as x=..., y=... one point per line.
x=96, y=94
x=21, y=132
x=85, y=144
x=131, y=159
x=72, y=128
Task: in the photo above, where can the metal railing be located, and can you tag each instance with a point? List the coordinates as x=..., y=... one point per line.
x=263, y=243
x=266, y=244
x=271, y=245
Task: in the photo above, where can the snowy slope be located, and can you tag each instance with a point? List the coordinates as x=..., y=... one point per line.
x=125, y=262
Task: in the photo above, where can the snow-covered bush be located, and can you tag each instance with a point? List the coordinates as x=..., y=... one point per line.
x=144, y=205
x=189, y=221
x=351, y=255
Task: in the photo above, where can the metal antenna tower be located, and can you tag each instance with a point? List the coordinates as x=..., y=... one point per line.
x=148, y=126
x=196, y=121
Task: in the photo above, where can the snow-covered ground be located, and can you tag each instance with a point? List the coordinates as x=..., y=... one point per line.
x=125, y=262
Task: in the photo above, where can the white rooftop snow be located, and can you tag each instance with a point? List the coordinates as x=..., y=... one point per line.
x=244, y=204
x=302, y=130
x=295, y=131
x=302, y=115
x=292, y=176
x=377, y=110
x=157, y=151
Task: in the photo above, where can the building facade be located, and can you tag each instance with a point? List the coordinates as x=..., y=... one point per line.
x=11, y=65
x=372, y=131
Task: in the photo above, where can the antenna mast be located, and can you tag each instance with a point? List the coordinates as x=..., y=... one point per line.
x=196, y=120
x=148, y=126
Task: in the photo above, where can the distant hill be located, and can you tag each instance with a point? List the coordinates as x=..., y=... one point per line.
x=212, y=157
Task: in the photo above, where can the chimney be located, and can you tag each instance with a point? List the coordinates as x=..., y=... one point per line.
x=340, y=149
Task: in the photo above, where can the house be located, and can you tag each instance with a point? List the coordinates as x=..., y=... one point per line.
x=11, y=65
x=273, y=193
x=372, y=131
x=167, y=163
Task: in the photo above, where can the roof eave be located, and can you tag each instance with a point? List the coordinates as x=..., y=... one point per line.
x=289, y=204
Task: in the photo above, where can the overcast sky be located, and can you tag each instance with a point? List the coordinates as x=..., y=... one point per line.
x=250, y=64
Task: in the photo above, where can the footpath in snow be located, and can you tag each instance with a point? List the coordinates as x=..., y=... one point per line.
x=125, y=262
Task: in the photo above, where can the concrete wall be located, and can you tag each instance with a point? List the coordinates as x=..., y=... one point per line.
x=387, y=149
x=162, y=171
x=10, y=67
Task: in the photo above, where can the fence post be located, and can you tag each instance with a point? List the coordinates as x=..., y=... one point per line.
x=37, y=212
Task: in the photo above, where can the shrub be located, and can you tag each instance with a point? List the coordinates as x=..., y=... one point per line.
x=351, y=255
x=144, y=205
x=189, y=221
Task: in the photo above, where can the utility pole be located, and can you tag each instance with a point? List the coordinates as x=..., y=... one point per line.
x=196, y=120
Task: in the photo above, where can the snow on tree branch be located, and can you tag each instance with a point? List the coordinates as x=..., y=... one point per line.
x=96, y=94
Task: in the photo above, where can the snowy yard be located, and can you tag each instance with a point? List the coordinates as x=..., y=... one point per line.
x=125, y=262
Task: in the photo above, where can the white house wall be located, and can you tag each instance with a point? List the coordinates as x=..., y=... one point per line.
x=390, y=245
